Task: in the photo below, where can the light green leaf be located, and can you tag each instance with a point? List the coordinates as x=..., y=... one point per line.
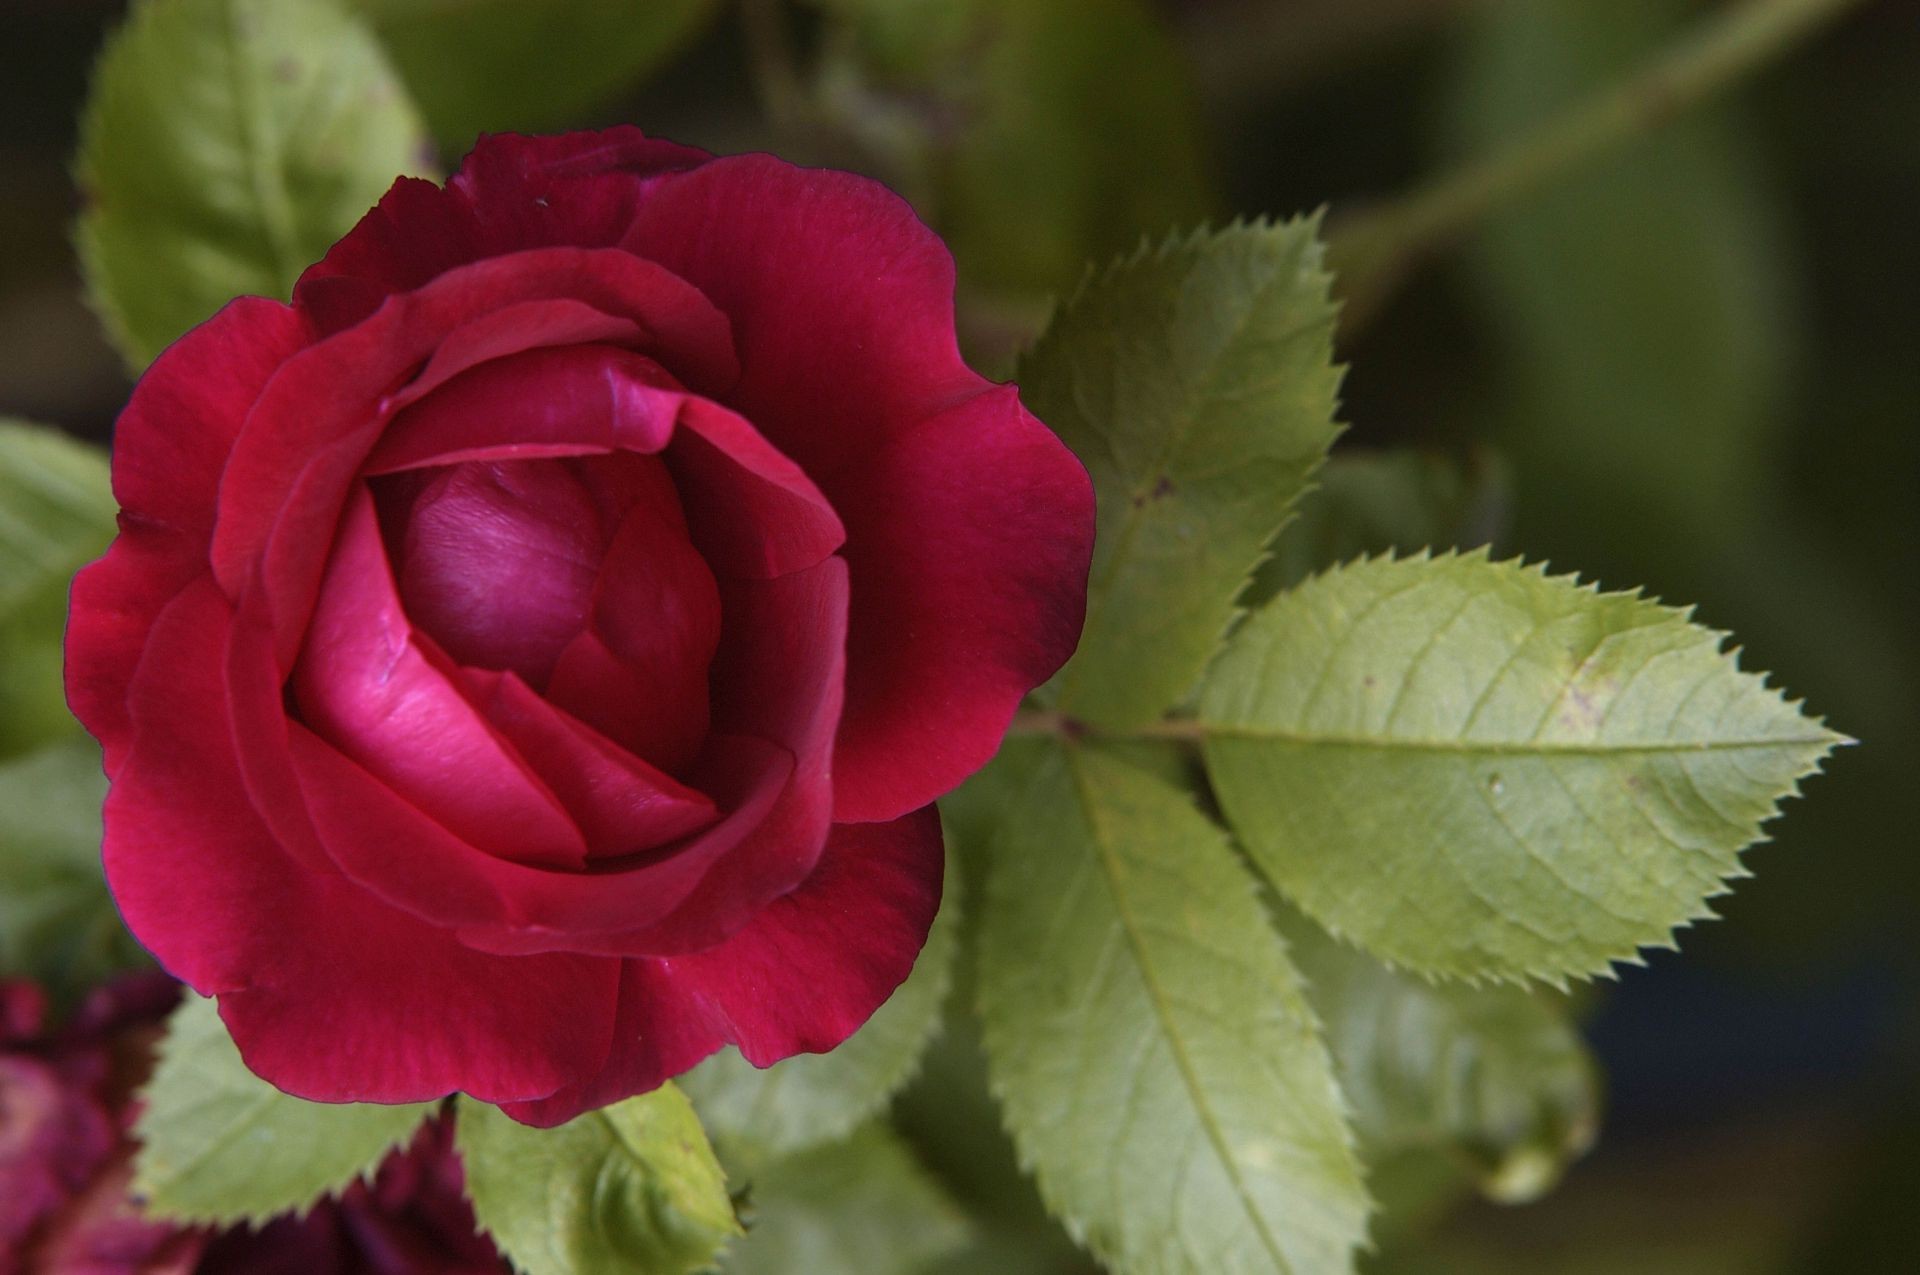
x=225, y=146
x=1149, y=1040
x=1039, y=136
x=1473, y=768
x=57, y=923
x=814, y=1098
x=56, y=514
x=56, y=509
x=632, y=1187
x=220, y=1145
x=864, y=1205
x=1367, y=502
x=1196, y=382
x=1494, y=1077
x=496, y=65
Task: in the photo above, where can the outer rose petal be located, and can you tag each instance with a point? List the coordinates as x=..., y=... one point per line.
x=809, y=970
x=841, y=301
x=170, y=446
x=367, y=684
x=330, y=994
x=511, y=193
x=314, y=424
x=969, y=526
x=962, y=603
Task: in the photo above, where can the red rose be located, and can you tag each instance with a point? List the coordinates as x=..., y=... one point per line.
x=528, y=659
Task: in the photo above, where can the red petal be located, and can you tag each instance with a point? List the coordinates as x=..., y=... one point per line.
x=777, y=679
x=803, y=976
x=498, y=562
x=511, y=193
x=170, y=446
x=656, y=611
x=364, y=683
x=497, y=905
x=565, y=401
x=623, y=805
x=330, y=994
x=286, y=482
x=968, y=540
x=841, y=300
x=752, y=511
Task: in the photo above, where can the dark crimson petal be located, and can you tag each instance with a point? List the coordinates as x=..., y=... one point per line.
x=776, y=683
x=778, y=676
x=366, y=684
x=497, y=905
x=511, y=193
x=623, y=805
x=565, y=401
x=752, y=511
x=803, y=976
x=659, y=1031
x=170, y=446
x=841, y=301
x=498, y=562
x=305, y=439
x=972, y=533
x=330, y=994
x=656, y=610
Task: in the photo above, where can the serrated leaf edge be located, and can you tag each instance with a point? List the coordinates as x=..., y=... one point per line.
x=1606, y=968
x=1074, y=1226
x=153, y=1202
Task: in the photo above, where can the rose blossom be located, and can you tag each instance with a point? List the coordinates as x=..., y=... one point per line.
x=529, y=659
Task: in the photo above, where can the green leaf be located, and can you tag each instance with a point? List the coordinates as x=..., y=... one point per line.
x=1149, y=1040
x=633, y=1187
x=1493, y=1076
x=56, y=509
x=1369, y=502
x=1196, y=382
x=56, y=514
x=814, y=1098
x=1473, y=768
x=220, y=1145
x=863, y=1205
x=225, y=146
x=57, y=922
x=467, y=61
x=1040, y=136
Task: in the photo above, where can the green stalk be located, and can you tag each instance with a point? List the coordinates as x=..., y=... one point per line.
x=1377, y=249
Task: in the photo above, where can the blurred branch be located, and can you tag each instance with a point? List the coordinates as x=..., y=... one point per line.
x=775, y=63
x=1255, y=48
x=1376, y=250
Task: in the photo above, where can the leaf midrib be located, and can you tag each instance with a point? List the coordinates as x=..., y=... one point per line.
x=1099, y=589
x=1509, y=748
x=1162, y=1009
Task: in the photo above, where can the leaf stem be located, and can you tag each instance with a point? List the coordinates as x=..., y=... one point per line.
x=1053, y=724
x=1376, y=250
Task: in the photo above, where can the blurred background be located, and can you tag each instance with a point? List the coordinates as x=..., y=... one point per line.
x=1691, y=362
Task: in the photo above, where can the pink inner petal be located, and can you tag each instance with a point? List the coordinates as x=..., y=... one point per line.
x=498, y=563
x=622, y=805
x=365, y=683
x=639, y=674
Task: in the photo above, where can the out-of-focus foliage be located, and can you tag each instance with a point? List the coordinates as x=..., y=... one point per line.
x=1039, y=135
x=523, y=65
x=227, y=144
x=220, y=1145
